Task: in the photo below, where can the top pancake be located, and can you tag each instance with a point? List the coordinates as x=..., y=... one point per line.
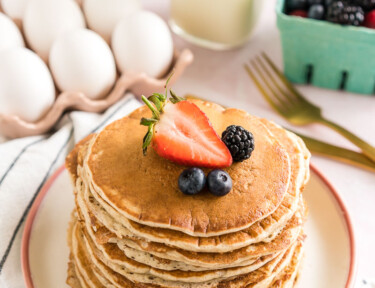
x=145, y=190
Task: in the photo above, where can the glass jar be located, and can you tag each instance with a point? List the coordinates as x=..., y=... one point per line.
x=215, y=24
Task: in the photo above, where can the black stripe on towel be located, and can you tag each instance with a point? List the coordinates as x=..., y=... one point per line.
x=18, y=157
x=7, y=251
x=22, y=152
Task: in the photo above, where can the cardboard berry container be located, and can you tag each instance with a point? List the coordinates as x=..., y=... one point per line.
x=327, y=55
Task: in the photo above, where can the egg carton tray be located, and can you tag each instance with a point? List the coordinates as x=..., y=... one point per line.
x=12, y=126
x=327, y=55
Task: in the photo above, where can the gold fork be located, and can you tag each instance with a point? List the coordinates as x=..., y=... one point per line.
x=289, y=103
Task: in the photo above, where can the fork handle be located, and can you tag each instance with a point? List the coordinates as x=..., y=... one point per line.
x=337, y=153
x=366, y=148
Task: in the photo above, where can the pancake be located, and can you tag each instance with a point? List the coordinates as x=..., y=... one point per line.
x=289, y=276
x=72, y=279
x=243, y=256
x=120, y=173
x=285, y=279
x=239, y=257
x=125, y=228
x=73, y=160
x=118, y=262
x=75, y=277
x=82, y=256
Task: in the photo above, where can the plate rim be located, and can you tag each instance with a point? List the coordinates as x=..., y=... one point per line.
x=25, y=242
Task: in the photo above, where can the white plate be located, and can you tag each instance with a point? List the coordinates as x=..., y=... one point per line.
x=330, y=249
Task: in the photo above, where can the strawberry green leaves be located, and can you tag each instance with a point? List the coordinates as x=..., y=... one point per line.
x=156, y=103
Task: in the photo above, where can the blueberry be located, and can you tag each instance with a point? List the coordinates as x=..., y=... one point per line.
x=219, y=182
x=296, y=5
x=316, y=12
x=191, y=181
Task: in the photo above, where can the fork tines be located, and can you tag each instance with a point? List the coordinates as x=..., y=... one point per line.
x=273, y=85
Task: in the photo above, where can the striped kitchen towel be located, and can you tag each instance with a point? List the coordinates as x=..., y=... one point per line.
x=26, y=164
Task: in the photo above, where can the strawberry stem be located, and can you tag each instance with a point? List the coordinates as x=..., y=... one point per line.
x=155, y=113
x=160, y=96
x=148, y=121
x=154, y=99
x=166, y=84
x=156, y=103
x=147, y=139
x=175, y=99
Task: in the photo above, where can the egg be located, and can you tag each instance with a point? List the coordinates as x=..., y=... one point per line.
x=102, y=16
x=45, y=20
x=26, y=85
x=143, y=43
x=81, y=61
x=14, y=8
x=10, y=35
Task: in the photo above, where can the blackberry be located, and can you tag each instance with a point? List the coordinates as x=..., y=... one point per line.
x=341, y=13
x=239, y=141
x=366, y=5
x=334, y=10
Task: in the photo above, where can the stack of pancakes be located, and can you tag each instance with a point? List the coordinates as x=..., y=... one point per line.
x=132, y=227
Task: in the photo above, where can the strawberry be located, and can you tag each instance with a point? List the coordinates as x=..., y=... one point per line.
x=185, y=135
x=180, y=132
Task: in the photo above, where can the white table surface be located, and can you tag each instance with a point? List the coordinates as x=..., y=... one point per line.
x=220, y=77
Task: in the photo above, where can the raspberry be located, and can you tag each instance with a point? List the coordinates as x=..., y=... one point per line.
x=299, y=13
x=370, y=19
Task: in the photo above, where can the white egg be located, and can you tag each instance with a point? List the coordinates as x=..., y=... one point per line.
x=46, y=20
x=82, y=61
x=102, y=16
x=10, y=35
x=14, y=8
x=143, y=43
x=26, y=85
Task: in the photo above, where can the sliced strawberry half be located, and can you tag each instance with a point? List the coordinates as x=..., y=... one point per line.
x=185, y=135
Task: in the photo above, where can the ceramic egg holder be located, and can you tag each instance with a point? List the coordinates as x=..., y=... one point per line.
x=12, y=126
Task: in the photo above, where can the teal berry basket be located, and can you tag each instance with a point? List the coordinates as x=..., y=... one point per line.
x=327, y=55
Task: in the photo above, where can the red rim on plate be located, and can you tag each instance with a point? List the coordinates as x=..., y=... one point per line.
x=34, y=209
